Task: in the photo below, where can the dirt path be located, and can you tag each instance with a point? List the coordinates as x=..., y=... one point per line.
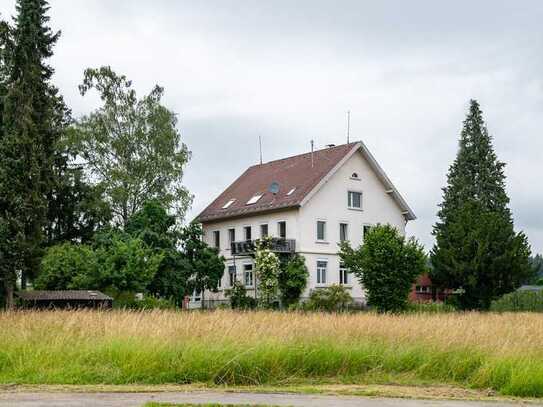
x=36, y=399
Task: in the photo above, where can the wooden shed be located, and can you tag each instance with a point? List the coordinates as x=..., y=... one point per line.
x=62, y=299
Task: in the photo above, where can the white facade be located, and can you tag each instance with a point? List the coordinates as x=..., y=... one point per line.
x=329, y=203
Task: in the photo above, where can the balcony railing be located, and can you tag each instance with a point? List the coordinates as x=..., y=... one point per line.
x=277, y=245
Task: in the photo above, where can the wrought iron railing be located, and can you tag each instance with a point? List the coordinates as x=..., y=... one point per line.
x=277, y=245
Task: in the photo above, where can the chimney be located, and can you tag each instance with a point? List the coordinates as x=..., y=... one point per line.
x=311, y=153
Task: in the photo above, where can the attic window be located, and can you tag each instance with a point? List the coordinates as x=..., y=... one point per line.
x=291, y=191
x=254, y=199
x=227, y=204
x=355, y=176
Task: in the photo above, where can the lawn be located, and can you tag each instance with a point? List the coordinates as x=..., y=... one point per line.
x=503, y=352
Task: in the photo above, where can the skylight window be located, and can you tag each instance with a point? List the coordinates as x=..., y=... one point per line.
x=291, y=191
x=227, y=204
x=254, y=199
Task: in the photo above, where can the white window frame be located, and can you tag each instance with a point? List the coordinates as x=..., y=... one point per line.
x=245, y=272
x=254, y=199
x=349, y=200
x=249, y=227
x=228, y=204
x=279, y=229
x=344, y=275
x=348, y=227
x=230, y=240
x=319, y=240
x=322, y=272
x=215, y=233
x=230, y=273
x=267, y=229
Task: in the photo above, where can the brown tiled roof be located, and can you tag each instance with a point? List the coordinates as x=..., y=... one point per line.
x=62, y=295
x=293, y=173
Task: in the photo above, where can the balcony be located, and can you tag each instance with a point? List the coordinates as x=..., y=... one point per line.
x=277, y=245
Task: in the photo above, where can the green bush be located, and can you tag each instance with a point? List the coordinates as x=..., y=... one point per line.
x=531, y=301
x=239, y=298
x=127, y=300
x=332, y=298
x=292, y=280
x=387, y=265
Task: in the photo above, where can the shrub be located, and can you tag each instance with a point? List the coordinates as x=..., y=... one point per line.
x=332, y=298
x=239, y=298
x=531, y=301
x=267, y=268
x=293, y=280
x=387, y=265
x=127, y=300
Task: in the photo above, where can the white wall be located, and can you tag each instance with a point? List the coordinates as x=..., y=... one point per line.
x=329, y=204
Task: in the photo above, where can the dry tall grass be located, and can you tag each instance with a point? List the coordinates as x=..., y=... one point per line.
x=504, y=352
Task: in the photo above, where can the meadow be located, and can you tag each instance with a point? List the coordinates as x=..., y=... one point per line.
x=503, y=352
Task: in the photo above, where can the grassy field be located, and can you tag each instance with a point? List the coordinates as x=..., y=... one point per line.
x=503, y=352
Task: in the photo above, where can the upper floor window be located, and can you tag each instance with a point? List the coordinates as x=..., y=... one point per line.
x=227, y=204
x=321, y=230
x=231, y=235
x=264, y=230
x=247, y=232
x=282, y=229
x=354, y=200
x=321, y=271
x=217, y=239
x=343, y=232
x=254, y=199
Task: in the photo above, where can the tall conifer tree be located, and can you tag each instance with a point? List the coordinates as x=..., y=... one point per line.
x=477, y=249
x=32, y=119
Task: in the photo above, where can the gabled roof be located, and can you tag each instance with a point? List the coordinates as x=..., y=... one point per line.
x=62, y=295
x=299, y=178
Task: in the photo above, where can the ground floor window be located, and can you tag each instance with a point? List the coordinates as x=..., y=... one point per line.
x=248, y=271
x=231, y=275
x=344, y=277
x=321, y=271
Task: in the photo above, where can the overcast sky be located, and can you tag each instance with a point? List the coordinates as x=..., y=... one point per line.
x=288, y=71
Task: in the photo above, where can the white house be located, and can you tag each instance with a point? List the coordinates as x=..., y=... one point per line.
x=309, y=202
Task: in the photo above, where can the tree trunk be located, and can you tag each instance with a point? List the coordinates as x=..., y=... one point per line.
x=23, y=280
x=9, y=295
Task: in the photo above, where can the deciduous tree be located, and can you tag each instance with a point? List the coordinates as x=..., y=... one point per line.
x=132, y=146
x=386, y=264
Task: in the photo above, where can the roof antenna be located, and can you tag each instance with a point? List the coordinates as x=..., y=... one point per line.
x=311, y=153
x=260, y=147
x=348, y=125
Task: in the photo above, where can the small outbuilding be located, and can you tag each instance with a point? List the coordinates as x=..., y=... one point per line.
x=62, y=299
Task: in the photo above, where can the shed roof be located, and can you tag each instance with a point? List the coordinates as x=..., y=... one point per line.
x=62, y=295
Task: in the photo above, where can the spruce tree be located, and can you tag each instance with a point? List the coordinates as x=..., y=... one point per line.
x=477, y=249
x=32, y=119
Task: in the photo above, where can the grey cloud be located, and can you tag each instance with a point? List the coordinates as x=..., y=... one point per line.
x=289, y=70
